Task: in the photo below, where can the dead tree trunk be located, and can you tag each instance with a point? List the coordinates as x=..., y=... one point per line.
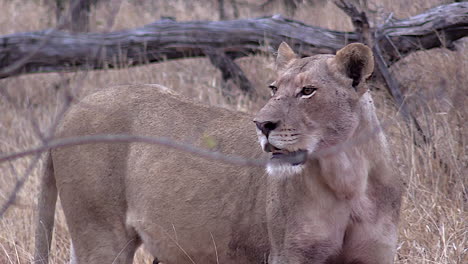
x=73, y=15
x=49, y=51
x=222, y=12
x=79, y=14
x=59, y=9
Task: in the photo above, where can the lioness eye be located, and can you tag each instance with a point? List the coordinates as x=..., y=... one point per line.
x=273, y=89
x=308, y=91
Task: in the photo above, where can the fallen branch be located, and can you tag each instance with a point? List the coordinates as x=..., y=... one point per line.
x=229, y=69
x=362, y=27
x=438, y=27
x=164, y=40
x=167, y=39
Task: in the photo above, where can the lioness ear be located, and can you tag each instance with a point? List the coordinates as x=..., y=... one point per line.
x=285, y=56
x=356, y=62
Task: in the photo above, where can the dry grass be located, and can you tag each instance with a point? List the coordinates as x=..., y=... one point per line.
x=434, y=220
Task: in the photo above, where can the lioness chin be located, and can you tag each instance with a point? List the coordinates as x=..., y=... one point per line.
x=339, y=207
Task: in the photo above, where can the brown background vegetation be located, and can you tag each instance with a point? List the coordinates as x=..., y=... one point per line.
x=434, y=220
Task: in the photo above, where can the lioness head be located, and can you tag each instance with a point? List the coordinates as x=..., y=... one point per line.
x=314, y=104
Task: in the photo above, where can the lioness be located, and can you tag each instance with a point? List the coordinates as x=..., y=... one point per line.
x=338, y=207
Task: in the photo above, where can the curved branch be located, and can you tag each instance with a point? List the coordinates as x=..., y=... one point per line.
x=122, y=138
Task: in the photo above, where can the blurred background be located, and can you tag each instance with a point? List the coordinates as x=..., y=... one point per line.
x=434, y=221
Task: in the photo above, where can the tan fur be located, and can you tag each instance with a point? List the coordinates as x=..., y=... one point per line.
x=342, y=207
x=182, y=207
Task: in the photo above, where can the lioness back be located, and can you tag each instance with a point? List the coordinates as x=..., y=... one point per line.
x=182, y=207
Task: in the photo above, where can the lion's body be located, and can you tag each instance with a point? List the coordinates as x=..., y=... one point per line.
x=338, y=208
x=143, y=190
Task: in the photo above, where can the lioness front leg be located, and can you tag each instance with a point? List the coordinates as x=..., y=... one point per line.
x=103, y=247
x=367, y=243
x=315, y=232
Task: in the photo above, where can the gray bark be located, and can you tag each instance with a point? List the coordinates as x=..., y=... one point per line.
x=79, y=13
x=50, y=51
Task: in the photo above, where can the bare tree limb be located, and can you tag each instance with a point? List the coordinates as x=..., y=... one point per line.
x=359, y=20
x=362, y=27
x=221, y=10
x=361, y=24
x=49, y=134
x=184, y=147
x=24, y=58
x=80, y=15
x=229, y=69
x=167, y=142
x=438, y=27
x=122, y=138
x=235, y=9
x=37, y=157
x=166, y=40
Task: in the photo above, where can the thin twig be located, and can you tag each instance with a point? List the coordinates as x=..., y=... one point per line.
x=362, y=138
x=45, y=140
x=167, y=142
x=229, y=69
x=19, y=184
x=125, y=138
x=49, y=134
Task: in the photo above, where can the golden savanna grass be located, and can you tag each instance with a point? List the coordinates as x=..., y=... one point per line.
x=434, y=220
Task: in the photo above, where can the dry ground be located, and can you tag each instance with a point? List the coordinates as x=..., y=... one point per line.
x=434, y=222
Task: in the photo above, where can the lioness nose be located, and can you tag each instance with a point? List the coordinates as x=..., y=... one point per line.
x=266, y=127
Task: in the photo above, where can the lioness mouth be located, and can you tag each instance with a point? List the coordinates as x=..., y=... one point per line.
x=293, y=157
